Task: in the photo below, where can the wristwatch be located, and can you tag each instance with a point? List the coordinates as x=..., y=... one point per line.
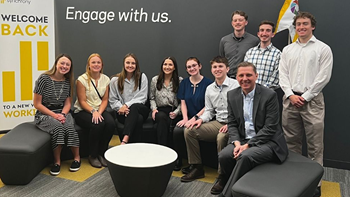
x=196, y=117
x=92, y=111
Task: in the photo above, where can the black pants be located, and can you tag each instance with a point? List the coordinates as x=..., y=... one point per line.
x=280, y=95
x=133, y=123
x=233, y=169
x=165, y=126
x=179, y=142
x=99, y=134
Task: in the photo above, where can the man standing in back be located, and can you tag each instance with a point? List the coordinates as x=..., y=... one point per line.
x=305, y=69
x=265, y=56
x=236, y=44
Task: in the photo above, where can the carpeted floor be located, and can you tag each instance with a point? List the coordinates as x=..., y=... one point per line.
x=89, y=181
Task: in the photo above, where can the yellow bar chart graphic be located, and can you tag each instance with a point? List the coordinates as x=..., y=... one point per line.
x=43, y=55
x=25, y=51
x=25, y=72
x=8, y=84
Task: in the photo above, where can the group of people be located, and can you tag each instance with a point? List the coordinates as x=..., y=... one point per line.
x=301, y=70
x=239, y=110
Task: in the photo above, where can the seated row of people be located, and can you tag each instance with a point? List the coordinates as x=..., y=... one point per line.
x=126, y=92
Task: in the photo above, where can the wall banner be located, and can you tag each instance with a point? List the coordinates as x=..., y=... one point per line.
x=26, y=50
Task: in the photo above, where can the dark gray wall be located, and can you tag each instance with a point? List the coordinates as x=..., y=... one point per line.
x=195, y=30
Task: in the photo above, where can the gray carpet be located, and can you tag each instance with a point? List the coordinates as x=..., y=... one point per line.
x=340, y=176
x=99, y=184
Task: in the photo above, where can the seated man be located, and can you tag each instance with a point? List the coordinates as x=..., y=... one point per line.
x=211, y=131
x=255, y=134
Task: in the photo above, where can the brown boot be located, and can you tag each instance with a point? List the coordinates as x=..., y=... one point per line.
x=196, y=173
x=219, y=185
x=95, y=162
x=102, y=160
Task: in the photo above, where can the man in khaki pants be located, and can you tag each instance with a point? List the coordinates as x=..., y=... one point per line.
x=205, y=129
x=305, y=69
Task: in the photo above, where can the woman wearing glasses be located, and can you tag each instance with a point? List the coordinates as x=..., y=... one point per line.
x=191, y=93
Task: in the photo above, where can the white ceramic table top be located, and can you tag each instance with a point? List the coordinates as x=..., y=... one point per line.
x=140, y=155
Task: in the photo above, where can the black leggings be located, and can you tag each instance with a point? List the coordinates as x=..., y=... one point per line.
x=165, y=125
x=133, y=123
x=99, y=134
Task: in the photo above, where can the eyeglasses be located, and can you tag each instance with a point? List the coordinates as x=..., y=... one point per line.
x=191, y=66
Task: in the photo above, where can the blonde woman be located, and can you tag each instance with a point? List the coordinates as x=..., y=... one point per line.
x=91, y=114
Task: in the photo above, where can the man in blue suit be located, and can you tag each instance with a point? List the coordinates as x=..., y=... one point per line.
x=255, y=133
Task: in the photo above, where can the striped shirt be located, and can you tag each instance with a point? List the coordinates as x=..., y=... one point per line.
x=266, y=62
x=54, y=93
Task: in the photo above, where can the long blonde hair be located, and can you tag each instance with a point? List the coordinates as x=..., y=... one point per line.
x=122, y=75
x=87, y=70
x=68, y=75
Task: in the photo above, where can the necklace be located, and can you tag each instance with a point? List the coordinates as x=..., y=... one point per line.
x=54, y=90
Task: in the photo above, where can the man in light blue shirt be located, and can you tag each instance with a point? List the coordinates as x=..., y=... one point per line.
x=248, y=113
x=255, y=133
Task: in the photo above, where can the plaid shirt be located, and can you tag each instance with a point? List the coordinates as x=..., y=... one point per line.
x=266, y=62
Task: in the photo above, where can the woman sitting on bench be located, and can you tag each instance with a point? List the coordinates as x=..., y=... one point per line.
x=191, y=93
x=52, y=99
x=91, y=114
x=164, y=103
x=127, y=96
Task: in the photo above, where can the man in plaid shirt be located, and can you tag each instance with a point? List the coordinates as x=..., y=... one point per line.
x=265, y=56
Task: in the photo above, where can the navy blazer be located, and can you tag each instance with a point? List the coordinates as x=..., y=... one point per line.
x=266, y=119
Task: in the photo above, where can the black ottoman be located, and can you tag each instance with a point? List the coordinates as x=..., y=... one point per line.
x=298, y=176
x=24, y=152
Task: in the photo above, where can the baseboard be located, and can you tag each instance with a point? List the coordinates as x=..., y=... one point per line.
x=336, y=164
x=4, y=131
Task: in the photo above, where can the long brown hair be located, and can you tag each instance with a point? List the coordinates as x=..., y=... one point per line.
x=122, y=75
x=174, y=76
x=88, y=71
x=68, y=75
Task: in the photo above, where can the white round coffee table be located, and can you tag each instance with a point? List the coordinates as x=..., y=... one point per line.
x=140, y=169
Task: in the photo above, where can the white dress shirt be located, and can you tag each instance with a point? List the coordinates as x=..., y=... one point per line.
x=305, y=68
